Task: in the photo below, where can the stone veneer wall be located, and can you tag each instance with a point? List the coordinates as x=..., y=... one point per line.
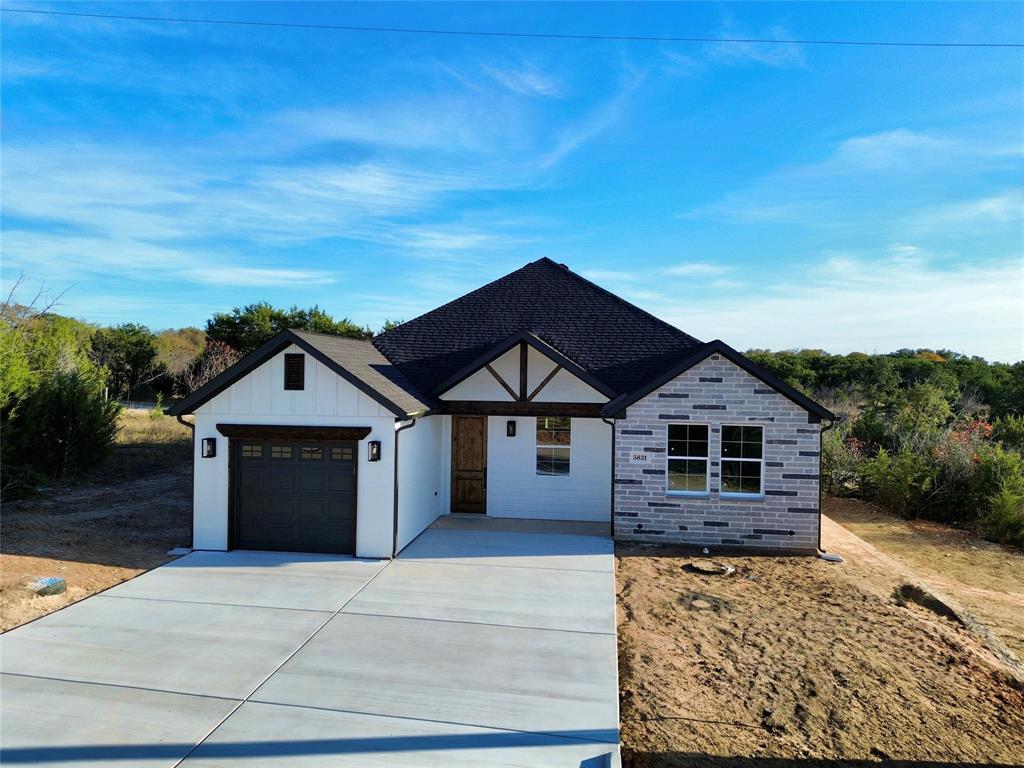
x=717, y=392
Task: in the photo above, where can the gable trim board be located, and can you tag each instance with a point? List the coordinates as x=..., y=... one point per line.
x=617, y=407
x=522, y=339
x=267, y=351
x=541, y=342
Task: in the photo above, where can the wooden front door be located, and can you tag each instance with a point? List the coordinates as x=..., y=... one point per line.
x=469, y=464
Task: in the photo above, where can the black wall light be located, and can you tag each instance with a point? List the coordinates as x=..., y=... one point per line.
x=209, y=447
x=510, y=428
x=373, y=451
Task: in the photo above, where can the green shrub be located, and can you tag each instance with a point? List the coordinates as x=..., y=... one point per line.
x=1003, y=521
x=841, y=459
x=62, y=426
x=158, y=409
x=1009, y=430
x=904, y=482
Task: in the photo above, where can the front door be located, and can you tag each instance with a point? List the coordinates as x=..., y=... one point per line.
x=469, y=464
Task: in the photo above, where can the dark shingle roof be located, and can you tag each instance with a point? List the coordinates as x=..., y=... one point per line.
x=366, y=363
x=614, y=341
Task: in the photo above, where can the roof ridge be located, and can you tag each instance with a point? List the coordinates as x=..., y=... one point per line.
x=330, y=335
x=463, y=296
x=621, y=300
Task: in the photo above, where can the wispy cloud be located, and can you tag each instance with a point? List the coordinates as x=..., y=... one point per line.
x=881, y=175
x=1005, y=207
x=781, y=54
x=696, y=269
x=902, y=298
x=257, y=276
x=526, y=80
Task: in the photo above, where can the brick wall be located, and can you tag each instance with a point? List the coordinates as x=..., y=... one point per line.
x=717, y=392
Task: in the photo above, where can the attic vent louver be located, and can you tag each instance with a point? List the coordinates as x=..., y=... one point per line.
x=294, y=371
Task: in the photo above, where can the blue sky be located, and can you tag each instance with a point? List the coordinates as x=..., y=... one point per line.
x=770, y=195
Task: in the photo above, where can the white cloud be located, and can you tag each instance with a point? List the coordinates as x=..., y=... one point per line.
x=227, y=274
x=853, y=303
x=869, y=181
x=696, y=269
x=771, y=54
x=1005, y=207
x=526, y=80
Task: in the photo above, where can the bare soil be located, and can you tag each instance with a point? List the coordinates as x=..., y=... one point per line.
x=796, y=660
x=101, y=530
x=987, y=579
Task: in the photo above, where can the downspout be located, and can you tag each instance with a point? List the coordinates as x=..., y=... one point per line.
x=832, y=558
x=394, y=530
x=611, y=516
x=192, y=517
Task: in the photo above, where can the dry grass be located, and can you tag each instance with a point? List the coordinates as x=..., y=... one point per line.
x=144, y=445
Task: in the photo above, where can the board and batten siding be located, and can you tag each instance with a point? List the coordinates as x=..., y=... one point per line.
x=327, y=400
x=420, y=477
x=717, y=392
x=514, y=489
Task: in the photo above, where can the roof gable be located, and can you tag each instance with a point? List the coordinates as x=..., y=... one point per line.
x=358, y=362
x=614, y=343
x=619, y=405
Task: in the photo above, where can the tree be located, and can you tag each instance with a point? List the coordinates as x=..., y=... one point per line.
x=215, y=358
x=63, y=425
x=128, y=353
x=245, y=328
x=177, y=348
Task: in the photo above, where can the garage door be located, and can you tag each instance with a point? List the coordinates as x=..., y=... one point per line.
x=295, y=496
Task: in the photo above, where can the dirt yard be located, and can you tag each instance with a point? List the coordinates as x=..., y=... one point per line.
x=796, y=659
x=986, y=579
x=102, y=530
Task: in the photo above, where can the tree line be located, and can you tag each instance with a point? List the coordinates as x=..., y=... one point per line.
x=63, y=381
x=923, y=433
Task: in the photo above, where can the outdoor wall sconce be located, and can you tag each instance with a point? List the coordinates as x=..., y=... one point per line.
x=510, y=428
x=373, y=452
x=209, y=447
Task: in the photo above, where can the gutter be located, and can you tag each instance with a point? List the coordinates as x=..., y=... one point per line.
x=192, y=517
x=828, y=556
x=611, y=516
x=399, y=427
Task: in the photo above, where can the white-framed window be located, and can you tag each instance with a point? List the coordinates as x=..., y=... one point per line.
x=687, y=458
x=554, y=444
x=742, y=460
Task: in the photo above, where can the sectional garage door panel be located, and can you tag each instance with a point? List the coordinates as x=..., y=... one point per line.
x=295, y=496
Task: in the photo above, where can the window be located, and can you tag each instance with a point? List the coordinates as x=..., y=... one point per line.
x=311, y=453
x=280, y=452
x=294, y=371
x=687, y=458
x=252, y=451
x=341, y=454
x=742, y=460
x=554, y=438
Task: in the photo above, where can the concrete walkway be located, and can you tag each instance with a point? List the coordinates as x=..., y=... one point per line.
x=478, y=647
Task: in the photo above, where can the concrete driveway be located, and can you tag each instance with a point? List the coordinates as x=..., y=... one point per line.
x=478, y=647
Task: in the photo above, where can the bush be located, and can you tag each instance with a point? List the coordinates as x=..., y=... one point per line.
x=157, y=413
x=1003, y=521
x=1009, y=430
x=841, y=459
x=62, y=426
x=904, y=482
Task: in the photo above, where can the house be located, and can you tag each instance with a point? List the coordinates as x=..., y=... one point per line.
x=540, y=395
